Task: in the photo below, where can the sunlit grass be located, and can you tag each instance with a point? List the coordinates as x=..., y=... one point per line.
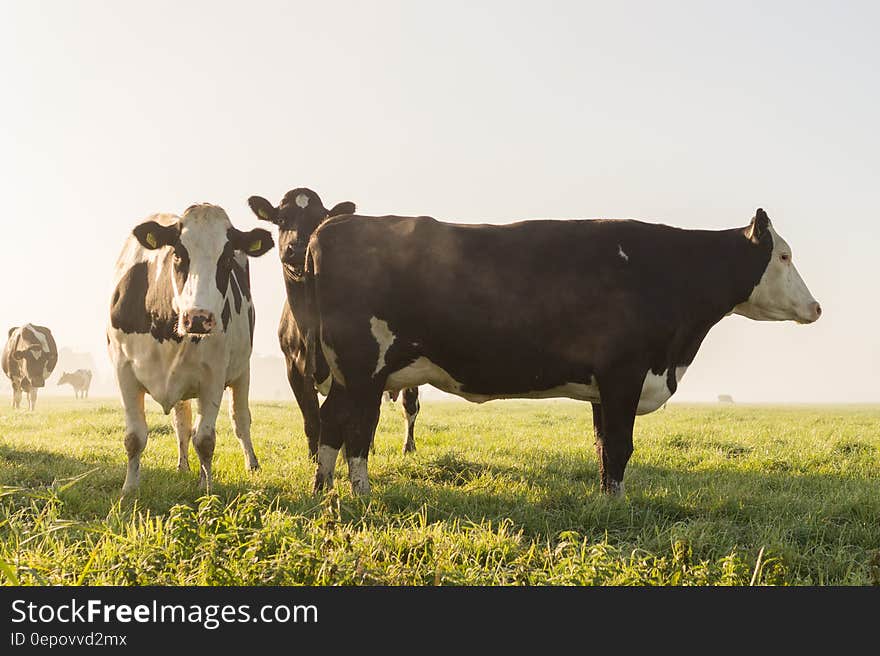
x=497, y=494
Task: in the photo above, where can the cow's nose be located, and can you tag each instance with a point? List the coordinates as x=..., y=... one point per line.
x=198, y=322
x=813, y=312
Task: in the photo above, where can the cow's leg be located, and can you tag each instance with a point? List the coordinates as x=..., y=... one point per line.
x=597, y=422
x=16, y=397
x=410, y=403
x=240, y=415
x=135, y=426
x=614, y=444
x=32, y=398
x=334, y=417
x=363, y=418
x=181, y=417
x=307, y=400
x=205, y=435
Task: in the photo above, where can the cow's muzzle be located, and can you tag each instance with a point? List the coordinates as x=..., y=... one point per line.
x=811, y=314
x=295, y=272
x=198, y=322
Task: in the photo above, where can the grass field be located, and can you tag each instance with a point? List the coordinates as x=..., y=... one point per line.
x=498, y=494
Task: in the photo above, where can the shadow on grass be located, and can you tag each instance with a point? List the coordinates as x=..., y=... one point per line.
x=160, y=488
x=561, y=493
x=540, y=498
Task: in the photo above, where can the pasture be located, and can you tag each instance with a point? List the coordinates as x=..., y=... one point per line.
x=498, y=494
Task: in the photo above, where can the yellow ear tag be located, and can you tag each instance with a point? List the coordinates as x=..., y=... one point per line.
x=255, y=246
x=151, y=240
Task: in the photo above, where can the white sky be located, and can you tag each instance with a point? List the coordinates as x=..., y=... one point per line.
x=689, y=113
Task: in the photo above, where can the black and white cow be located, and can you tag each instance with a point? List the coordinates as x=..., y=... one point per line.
x=182, y=326
x=29, y=357
x=80, y=380
x=606, y=311
x=297, y=217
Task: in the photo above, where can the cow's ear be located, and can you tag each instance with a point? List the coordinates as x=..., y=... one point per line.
x=253, y=243
x=11, y=330
x=759, y=227
x=263, y=209
x=345, y=207
x=152, y=235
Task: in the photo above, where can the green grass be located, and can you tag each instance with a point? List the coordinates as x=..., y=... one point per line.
x=497, y=494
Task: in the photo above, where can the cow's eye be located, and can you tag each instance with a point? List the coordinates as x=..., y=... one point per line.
x=784, y=257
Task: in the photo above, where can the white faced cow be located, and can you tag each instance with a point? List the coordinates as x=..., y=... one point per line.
x=610, y=312
x=181, y=327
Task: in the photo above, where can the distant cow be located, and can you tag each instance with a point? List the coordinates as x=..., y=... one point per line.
x=606, y=311
x=29, y=357
x=725, y=398
x=182, y=327
x=299, y=214
x=80, y=380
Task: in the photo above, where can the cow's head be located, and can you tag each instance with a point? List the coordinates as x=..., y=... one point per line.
x=34, y=363
x=781, y=294
x=65, y=378
x=204, y=242
x=297, y=217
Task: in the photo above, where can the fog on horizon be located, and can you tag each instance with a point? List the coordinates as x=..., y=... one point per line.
x=692, y=114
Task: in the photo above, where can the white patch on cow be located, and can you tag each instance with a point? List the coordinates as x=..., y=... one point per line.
x=422, y=371
x=204, y=235
x=781, y=294
x=332, y=362
x=622, y=255
x=357, y=474
x=384, y=338
x=302, y=200
x=327, y=456
x=655, y=391
x=41, y=338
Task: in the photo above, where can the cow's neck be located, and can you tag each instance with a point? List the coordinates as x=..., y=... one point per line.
x=719, y=271
x=724, y=274
x=746, y=266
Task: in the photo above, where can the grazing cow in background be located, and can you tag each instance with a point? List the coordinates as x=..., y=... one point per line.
x=606, y=311
x=80, y=380
x=182, y=327
x=725, y=398
x=297, y=217
x=29, y=357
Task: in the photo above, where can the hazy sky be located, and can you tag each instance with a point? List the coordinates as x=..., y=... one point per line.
x=689, y=113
